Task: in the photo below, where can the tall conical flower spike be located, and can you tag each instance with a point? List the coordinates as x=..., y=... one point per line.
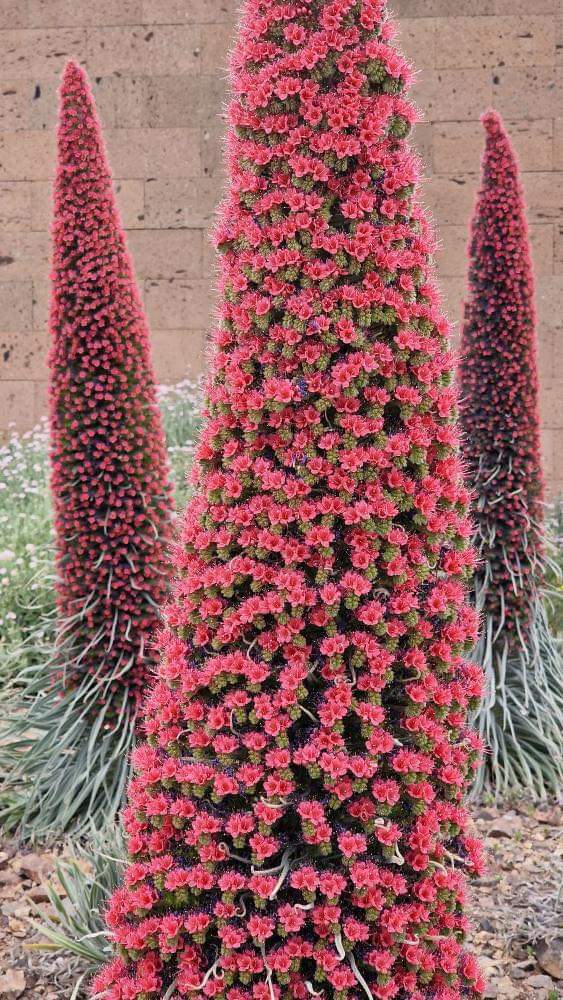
x=111, y=497
x=522, y=716
x=296, y=825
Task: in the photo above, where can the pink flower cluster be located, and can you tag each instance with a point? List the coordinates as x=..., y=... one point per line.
x=295, y=823
x=499, y=389
x=109, y=471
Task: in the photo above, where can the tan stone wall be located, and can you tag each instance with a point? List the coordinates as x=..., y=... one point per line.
x=158, y=70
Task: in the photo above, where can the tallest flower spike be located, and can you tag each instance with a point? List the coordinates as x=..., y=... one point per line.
x=111, y=497
x=295, y=824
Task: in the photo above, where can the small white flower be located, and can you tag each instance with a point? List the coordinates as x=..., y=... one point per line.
x=6, y=555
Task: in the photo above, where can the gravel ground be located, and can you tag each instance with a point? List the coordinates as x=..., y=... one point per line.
x=517, y=912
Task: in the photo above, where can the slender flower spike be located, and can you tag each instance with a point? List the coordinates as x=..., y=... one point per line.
x=295, y=824
x=522, y=716
x=499, y=386
x=111, y=497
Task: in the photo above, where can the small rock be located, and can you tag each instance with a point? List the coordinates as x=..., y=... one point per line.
x=18, y=928
x=34, y=867
x=550, y=958
x=485, y=814
x=491, y=991
x=9, y=908
x=489, y=966
x=550, y=817
x=8, y=877
x=506, y=988
x=12, y=983
x=502, y=827
x=38, y=894
x=539, y=982
x=518, y=974
x=522, y=957
x=486, y=925
x=9, y=892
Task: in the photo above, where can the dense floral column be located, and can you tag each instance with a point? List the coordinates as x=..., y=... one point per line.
x=111, y=497
x=296, y=825
x=522, y=717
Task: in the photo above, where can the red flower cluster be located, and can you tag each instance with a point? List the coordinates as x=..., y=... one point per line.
x=499, y=391
x=109, y=472
x=295, y=824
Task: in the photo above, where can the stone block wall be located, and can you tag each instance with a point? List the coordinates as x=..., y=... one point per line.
x=158, y=68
